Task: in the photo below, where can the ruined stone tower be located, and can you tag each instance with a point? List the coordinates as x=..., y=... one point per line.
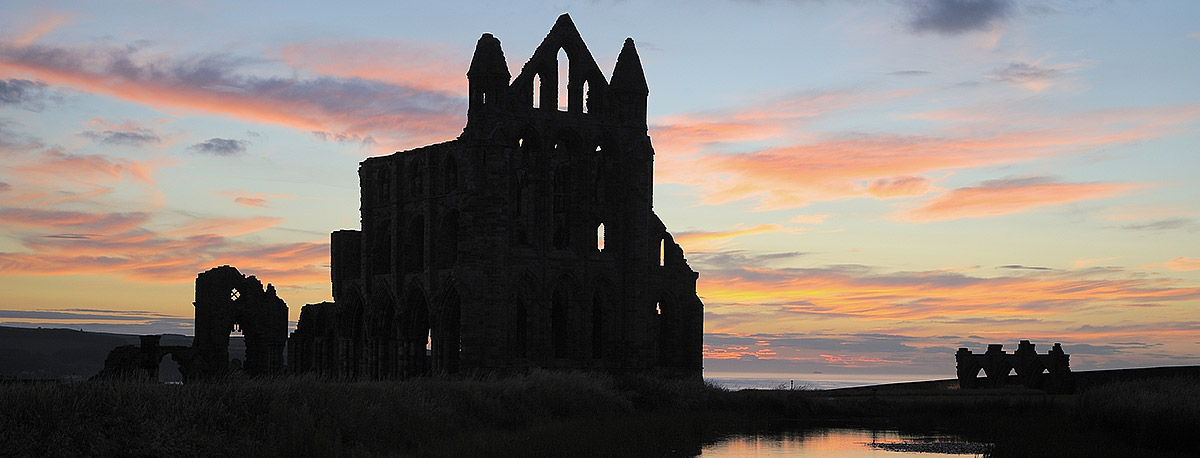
x=528, y=241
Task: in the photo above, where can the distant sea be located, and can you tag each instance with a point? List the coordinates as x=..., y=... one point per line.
x=818, y=381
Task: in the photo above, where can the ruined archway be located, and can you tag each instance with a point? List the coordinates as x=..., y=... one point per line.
x=601, y=315
x=669, y=332
x=560, y=332
x=414, y=356
x=225, y=300
x=446, y=338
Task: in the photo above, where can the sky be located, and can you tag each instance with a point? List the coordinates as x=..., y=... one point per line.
x=864, y=186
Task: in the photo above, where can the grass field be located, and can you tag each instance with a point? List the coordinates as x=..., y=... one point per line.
x=564, y=414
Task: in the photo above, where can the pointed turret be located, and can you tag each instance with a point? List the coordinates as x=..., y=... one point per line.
x=488, y=76
x=627, y=75
x=628, y=84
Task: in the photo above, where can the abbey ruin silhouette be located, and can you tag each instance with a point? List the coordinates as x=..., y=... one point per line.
x=528, y=241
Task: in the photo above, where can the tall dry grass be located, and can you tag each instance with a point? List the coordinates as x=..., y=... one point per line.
x=560, y=414
x=304, y=416
x=1160, y=412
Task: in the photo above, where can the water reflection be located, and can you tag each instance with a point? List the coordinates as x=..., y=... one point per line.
x=841, y=443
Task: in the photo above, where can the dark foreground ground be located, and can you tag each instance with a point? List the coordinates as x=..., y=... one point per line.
x=556, y=414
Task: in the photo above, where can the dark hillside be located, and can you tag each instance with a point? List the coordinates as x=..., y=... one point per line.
x=71, y=354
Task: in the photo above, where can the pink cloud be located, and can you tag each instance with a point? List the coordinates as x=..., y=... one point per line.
x=396, y=61
x=37, y=167
x=900, y=187
x=254, y=199
x=250, y=201
x=41, y=24
x=1033, y=76
x=1002, y=197
x=213, y=84
x=699, y=151
x=224, y=227
x=82, y=165
x=769, y=118
x=1183, y=264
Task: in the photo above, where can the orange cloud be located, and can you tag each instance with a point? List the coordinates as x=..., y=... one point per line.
x=172, y=256
x=301, y=263
x=699, y=241
x=1002, y=197
x=861, y=294
x=1183, y=264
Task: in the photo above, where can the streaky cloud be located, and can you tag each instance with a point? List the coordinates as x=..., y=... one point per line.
x=72, y=236
x=92, y=222
x=1160, y=225
x=1023, y=267
x=864, y=294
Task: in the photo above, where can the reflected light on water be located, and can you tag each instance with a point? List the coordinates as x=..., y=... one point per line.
x=822, y=443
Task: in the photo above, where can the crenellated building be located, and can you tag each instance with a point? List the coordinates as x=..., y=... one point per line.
x=528, y=241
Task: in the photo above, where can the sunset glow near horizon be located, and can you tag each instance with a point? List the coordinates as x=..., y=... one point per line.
x=864, y=186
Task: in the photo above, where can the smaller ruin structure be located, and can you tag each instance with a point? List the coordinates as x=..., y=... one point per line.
x=226, y=301
x=1050, y=372
x=141, y=362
